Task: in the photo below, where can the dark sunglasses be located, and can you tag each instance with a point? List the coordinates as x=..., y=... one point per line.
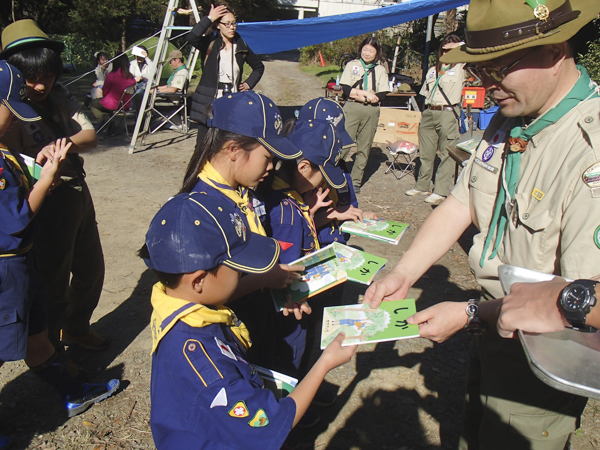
x=494, y=73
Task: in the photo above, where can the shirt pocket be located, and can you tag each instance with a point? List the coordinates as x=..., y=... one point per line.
x=482, y=179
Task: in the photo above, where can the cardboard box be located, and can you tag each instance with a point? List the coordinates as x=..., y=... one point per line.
x=396, y=124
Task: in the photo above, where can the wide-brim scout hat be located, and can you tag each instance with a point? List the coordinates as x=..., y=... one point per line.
x=498, y=27
x=253, y=115
x=195, y=231
x=25, y=34
x=13, y=93
x=320, y=145
x=322, y=108
x=174, y=54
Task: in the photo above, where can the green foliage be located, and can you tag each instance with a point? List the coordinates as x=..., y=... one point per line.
x=587, y=49
x=331, y=51
x=591, y=61
x=78, y=50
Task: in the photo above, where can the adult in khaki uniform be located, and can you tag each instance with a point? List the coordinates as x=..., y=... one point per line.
x=67, y=249
x=439, y=126
x=532, y=182
x=365, y=84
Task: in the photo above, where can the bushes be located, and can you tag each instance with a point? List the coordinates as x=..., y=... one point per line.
x=80, y=50
x=331, y=51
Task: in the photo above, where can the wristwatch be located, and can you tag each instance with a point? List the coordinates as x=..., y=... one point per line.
x=474, y=324
x=576, y=300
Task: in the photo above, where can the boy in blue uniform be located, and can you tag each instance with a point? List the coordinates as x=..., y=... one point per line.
x=205, y=395
x=23, y=326
x=344, y=204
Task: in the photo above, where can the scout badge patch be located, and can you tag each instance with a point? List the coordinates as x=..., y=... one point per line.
x=259, y=420
x=240, y=228
x=597, y=237
x=239, y=410
x=220, y=399
x=225, y=349
x=591, y=175
x=278, y=123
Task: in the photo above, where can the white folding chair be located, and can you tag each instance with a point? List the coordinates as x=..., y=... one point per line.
x=408, y=157
x=178, y=103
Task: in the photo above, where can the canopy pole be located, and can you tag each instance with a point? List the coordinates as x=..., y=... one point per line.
x=427, y=46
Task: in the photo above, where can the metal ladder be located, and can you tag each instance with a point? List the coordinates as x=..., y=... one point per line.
x=147, y=106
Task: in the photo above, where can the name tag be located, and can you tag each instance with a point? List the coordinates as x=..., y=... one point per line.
x=451, y=72
x=486, y=166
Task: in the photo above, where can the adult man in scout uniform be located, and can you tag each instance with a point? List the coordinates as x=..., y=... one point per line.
x=530, y=189
x=177, y=80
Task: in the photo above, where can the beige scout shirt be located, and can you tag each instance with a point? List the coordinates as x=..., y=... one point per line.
x=452, y=82
x=554, y=219
x=354, y=71
x=30, y=137
x=179, y=79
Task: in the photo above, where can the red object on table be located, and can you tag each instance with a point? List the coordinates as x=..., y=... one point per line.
x=473, y=97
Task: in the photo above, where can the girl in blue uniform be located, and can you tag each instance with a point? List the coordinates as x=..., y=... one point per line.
x=245, y=133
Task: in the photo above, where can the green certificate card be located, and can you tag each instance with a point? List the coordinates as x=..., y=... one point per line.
x=363, y=325
x=381, y=230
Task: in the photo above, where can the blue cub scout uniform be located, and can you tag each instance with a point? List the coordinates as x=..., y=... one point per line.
x=205, y=395
x=330, y=232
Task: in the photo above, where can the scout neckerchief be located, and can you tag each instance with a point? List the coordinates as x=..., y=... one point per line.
x=239, y=196
x=368, y=68
x=519, y=136
x=173, y=74
x=168, y=310
x=19, y=170
x=443, y=70
x=285, y=189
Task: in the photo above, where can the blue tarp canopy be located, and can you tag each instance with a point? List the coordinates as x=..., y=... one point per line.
x=273, y=37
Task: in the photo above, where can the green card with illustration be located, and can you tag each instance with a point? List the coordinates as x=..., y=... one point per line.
x=363, y=325
x=381, y=230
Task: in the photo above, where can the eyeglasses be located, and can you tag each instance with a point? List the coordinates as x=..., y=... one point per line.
x=229, y=24
x=494, y=73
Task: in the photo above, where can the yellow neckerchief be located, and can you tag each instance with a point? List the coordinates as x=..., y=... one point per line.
x=210, y=176
x=283, y=187
x=168, y=310
x=17, y=168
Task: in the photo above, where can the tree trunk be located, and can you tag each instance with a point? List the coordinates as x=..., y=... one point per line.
x=124, y=35
x=450, y=21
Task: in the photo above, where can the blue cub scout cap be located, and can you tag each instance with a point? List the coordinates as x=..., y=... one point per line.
x=13, y=93
x=195, y=231
x=322, y=108
x=320, y=145
x=253, y=115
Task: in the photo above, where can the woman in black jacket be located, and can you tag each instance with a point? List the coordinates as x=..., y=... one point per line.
x=224, y=55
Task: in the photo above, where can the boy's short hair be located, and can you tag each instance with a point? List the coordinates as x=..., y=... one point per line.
x=195, y=231
x=37, y=62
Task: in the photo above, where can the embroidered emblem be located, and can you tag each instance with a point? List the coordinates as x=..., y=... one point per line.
x=220, y=399
x=498, y=137
x=591, y=175
x=541, y=12
x=334, y=120
x=31, y=128
x=239, y=410
x=225, y=349
x=537, y=194
x=278, y=123
x=238, y=223
x=597, y=237
x=2, y=184
x=259, y=420
x=38, y=136
x=338, y=157
x=485, y=166
x=488, y=153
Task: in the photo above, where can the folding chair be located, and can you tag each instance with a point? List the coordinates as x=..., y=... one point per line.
x=408, y=153
x=125, y=108
x=179, y=99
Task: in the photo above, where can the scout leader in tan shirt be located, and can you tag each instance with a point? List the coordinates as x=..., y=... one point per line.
x=542, y=204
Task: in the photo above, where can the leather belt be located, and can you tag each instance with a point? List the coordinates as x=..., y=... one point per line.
x=362, y=103
x=440, y=107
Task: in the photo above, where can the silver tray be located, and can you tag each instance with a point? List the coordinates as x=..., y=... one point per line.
x=567, y=360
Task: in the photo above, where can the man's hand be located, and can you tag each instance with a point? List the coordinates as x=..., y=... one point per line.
x=440, y=321
x=532, y=307
x=393, y=286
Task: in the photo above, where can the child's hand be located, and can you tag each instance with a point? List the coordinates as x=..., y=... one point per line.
x=317, y=199
x=370, y=215
x=296, y=308
x=283, y=275
x=335, y=355
x=346, y=213
x=53, y=155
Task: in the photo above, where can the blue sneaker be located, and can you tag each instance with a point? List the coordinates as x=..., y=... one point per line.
x=92, y=393
x=5, y=442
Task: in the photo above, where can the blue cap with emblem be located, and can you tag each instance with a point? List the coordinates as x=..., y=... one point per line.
x=195, y=231
x=13, y=93
x=253, y=115
x=326, y=109
x=320, y=145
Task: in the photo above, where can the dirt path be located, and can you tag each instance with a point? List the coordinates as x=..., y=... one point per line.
x=403, y=395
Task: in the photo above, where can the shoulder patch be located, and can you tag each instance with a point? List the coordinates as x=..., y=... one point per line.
x=239, y=410
x=220, y=399
x=225, y=349
x=597, y=236
x=259, y=420
x=200, y=362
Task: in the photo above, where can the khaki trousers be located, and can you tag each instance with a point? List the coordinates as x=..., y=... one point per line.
x=361, y=125
x=437, y=130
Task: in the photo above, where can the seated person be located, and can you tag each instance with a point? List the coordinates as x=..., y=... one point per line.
x=103, y=68
x=177, y=80
x=141, y=68
x=204, y=393
x=116, y=82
